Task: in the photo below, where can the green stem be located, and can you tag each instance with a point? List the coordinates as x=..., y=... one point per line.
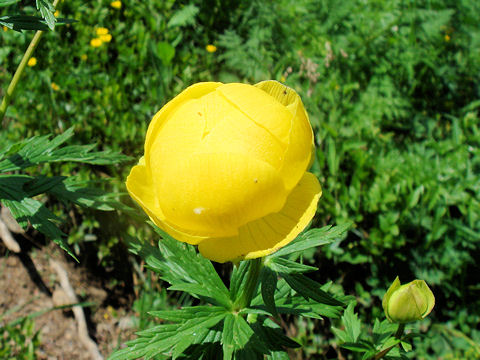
x=21, y=67
x=398, y=335
x=251, y=284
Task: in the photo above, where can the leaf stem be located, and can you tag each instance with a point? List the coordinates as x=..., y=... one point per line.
x=251, y=283
x=398, y=335
x=20, y=69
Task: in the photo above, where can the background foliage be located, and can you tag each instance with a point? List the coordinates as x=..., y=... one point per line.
x=392, y=89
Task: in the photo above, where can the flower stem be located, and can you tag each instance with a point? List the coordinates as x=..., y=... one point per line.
x=21, y=67
x=398, y=335
x=250, y=284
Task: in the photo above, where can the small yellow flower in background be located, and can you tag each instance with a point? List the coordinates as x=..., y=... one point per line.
x=211, y=48
x=225, y=168
x=32, y=61
x=116, y=4
x=102, y=31
x=282, y=79
x=55, y=87
x=97, y=42
x=56, y=13
x=447, y=38
x=409, y=302
x=106, y=37
x=84, y=57
x=5, y=28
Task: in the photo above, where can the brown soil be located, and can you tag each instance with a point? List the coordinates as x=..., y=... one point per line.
x=29, y=284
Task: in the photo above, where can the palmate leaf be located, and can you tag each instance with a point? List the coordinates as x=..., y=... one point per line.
x=41, y=149
x=17, y=190
x=180, y=265
x=192, y=325
x=289, y=302
x=312, y=238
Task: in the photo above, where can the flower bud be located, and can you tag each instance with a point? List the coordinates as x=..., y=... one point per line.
x=409, y=302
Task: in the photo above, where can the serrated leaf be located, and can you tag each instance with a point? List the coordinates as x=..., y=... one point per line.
x=228, y=344
x=313, y=238
x=268, y=281
x=47, y=9
x=357, y=347
x=30, y=210
x=352, y=323
x=40, y=149
x=285, y=266
x=184, y=16
x=273, y=335
x=310, y=289
x=163, y=339
x=244, y=280
x=180, y=264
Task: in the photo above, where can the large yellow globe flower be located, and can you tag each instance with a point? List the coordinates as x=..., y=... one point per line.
x=225, y=169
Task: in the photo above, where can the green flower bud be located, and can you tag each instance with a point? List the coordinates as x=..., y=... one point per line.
x=409, y=302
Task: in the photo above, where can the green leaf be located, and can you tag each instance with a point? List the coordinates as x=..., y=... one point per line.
x=285, y=266
x=352, y=323
x=33, y=211
x=273, y=335
x=228, y=343
x=39, y=149
x=357, y=347
x=268, y=280
x=8, y=2
x=184, y=268
x=310, y=289
x=313, y=238
x=46, y=10
x=165, y=52
x=173, y=338
x=185, y=16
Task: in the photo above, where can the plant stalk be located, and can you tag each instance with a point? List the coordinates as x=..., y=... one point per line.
x=20, y=69
x=398, y=335
x=251, y=283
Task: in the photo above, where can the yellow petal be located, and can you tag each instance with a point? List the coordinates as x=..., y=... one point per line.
x=300, y=140
x=229, y=130
x=193, y=92
x=260, y=107
x=268, y=234
x=214, y=194
x=141, y=189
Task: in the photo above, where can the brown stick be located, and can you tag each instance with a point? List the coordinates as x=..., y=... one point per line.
x=77, y=311
x=8, y=239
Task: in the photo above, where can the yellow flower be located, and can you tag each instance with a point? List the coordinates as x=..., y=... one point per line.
x=106, y=38
x=225, y=168
x=102, y=31
x=283, y=78
x=32, y=61
x=116, y=4
x=211, y=48
x=447, y=38
x=96, y=42
x=84, y=57
x=55, y=87
x=5, y=28
x=56, y=13
x=409, y=302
